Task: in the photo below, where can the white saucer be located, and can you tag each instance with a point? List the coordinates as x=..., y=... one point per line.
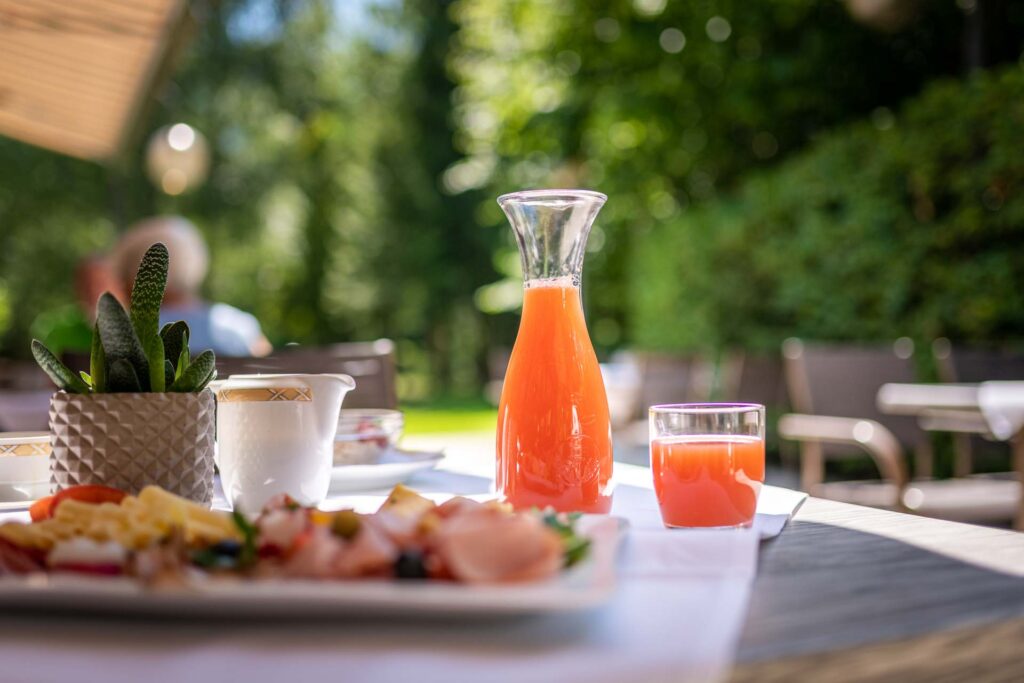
x=395, y=466
x=16, y=496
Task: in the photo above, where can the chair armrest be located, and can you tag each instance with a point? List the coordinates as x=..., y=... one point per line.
x=873, y=437
x=956, y=421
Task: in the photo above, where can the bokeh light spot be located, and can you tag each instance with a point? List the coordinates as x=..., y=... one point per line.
x=649, y=8
x=672, y=40
x=181, y=136
x=718, y=29
x=607, y=30
x=882, y=118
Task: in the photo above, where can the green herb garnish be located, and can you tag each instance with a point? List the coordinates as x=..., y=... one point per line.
x=574, y=546
x=247, y=555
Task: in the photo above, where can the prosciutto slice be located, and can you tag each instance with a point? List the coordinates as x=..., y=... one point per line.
x=482, y=545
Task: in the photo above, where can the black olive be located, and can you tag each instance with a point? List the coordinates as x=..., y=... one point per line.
x=230, y=548
x=409, y=565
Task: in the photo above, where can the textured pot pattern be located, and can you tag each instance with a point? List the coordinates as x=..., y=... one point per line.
x=130, y=441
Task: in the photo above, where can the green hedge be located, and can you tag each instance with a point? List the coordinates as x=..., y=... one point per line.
x=912, y=226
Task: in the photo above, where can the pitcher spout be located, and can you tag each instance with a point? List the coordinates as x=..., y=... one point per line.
x=328, y=393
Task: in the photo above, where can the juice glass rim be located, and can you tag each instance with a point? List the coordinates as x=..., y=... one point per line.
x=704, y=408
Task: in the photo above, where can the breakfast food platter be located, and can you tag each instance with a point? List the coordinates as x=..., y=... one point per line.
x=588, y=585
x=97, y=550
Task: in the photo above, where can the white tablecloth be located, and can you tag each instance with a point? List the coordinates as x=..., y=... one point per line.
x=676, y=616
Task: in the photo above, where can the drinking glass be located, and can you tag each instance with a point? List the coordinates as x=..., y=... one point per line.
x=708, y=463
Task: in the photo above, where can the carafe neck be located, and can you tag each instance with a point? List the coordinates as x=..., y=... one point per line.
x=551, y=228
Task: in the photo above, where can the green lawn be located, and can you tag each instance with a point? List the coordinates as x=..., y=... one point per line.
x=455, y=417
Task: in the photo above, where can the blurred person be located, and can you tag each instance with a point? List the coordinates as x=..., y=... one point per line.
x=68, y=328
x=218, y=326
x=93, y=276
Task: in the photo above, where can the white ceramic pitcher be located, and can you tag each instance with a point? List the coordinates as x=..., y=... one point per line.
x=275, y=434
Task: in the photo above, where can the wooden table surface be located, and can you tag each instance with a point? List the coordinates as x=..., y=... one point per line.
x=854, y=593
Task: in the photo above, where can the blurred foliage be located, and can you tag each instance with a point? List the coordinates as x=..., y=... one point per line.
x=915, y=229
x=53, y=211
x=664, y=106
x=357, y=149
x=322, y=209
x=288, y=209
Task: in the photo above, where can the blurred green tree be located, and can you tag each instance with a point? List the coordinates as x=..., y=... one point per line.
x=357, y=149
x=912, y=226
x=667, y=105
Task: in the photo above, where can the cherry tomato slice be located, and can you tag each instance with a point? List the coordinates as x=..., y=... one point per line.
x=88, y=493
x=41, y=509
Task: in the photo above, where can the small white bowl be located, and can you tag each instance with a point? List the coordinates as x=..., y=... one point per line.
x=365, y=434
x=24, y=465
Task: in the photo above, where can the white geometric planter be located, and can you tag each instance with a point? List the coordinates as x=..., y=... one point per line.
x=130, y=441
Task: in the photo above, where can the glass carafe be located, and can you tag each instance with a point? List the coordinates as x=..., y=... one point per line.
x=554, y=435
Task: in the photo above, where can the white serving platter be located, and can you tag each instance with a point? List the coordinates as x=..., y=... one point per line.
x=587, y=585
x=396, y=466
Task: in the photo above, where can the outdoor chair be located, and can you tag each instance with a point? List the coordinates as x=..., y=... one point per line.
x=22, y=375
x=745, y=377
x=497, y=364
x=370, y=364
x=834, y=388
x=672, y=378
x=25, y=392
x=960, y=364
x=751, y=378
x=663, y=378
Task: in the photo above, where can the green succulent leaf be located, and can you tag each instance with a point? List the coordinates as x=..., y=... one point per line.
x=196, y=374
x=184, y=358
x=209, y=378
x=168, y=373
x=148, y=292
x=97, y=362
x=63, y=377
x=154, y=347
x=146, y=297
x=119, y=339
x=86, y=378
x=175, y=338
x=122, y=377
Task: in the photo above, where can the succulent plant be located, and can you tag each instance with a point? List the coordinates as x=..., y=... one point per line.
x=130, y=351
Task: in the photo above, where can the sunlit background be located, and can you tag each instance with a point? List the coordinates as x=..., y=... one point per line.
x=840, y=170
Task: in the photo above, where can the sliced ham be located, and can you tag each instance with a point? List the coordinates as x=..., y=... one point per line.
x=455, y=505
x=371, y=552
x=400, y=529
x=482, y=545
x=315, y=558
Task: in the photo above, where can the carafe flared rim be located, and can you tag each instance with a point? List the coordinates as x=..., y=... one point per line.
x=554, y=195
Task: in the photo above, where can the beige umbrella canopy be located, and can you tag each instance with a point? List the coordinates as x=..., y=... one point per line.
x=74, y=76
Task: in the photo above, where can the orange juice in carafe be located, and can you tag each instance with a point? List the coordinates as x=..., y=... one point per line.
x=554, y=445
